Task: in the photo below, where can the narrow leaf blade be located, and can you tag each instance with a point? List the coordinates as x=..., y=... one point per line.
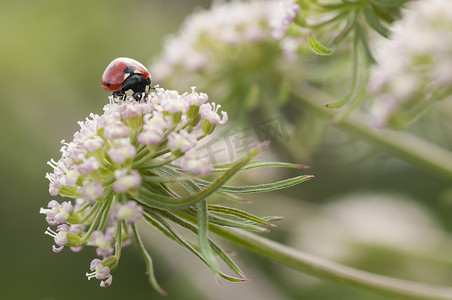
x=318, y=48
x=374, y=22
x=260, y=188
x=149, y=264
x=203, y=239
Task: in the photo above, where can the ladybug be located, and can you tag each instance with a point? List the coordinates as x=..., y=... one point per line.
x=127, y=77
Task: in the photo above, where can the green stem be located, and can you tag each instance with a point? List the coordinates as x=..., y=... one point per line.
x=324, y=269
x=408, y=147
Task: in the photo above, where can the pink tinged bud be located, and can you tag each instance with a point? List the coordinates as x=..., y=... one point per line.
x=94, y=263
x=77, y=228
x=130, y=213
x=130, y=110
x=107, y=282
x=65, y=210
x=157, y=121
x=58, y=213
x=99, y=238
x=57, y=249
x=196, y=99
x=196, y=166
x=55, y=183
x=52, y=222
x=151, y=137
x=122, y=151
x=53, y=203
x=182, y=141
x=53, y=191
x=154, y=128
x=73, y=151
x=91, y=190
x=173, y=103
x=209, y=112
x=93, y=143
x=70, y=178
x=125, y=182
x=102, y=271
x=76, y=249
x=61, y=239
x=116, y=130
x=112, y=114
x=88, y=166
x=50, y=213
x=63, y=227
x=104, y=242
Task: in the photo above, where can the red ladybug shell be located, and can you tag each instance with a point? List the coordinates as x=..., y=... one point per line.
x=118, y=71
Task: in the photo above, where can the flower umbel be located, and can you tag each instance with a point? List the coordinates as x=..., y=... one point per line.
x=121, y=168
x=230, y=50
x=416, y=64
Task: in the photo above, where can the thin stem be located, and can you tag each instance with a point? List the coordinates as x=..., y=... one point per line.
x=406, y=146
x=101, y=216
x=148, y=260
x=321, y=268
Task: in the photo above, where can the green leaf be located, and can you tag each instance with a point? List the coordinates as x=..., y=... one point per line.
x=237, y=213
x=148, y=260
x=318, y=48
x=355, y=78
x=338, y=18
x=221, y=221
x=218, y=251
x=341, y=102
x=272, y=218
x=389, y=3
x=203, y=239
x=151, y=199
x=156, y=221
x=337, y=6
x=374, y=22
x=344, y=32
x=260, y=164
x=363, y=39
x=357, y=100
x=259, y=188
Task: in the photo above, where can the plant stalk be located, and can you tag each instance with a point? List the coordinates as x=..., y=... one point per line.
x=407, y=147
x=324, y=269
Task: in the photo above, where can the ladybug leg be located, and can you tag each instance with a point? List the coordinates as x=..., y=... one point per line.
x=138, y=96
x=135, y=86
x=120, y=95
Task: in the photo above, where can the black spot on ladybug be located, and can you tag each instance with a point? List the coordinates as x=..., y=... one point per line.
x=108, y=82
x=129, y=70
x=112, y=67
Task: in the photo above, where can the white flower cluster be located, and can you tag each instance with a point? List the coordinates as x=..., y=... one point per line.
x=415, y=64
x=111, y=141
x=217, y=31
x=105, y=164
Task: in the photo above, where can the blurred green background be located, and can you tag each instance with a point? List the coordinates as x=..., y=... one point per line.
x=52, y=55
